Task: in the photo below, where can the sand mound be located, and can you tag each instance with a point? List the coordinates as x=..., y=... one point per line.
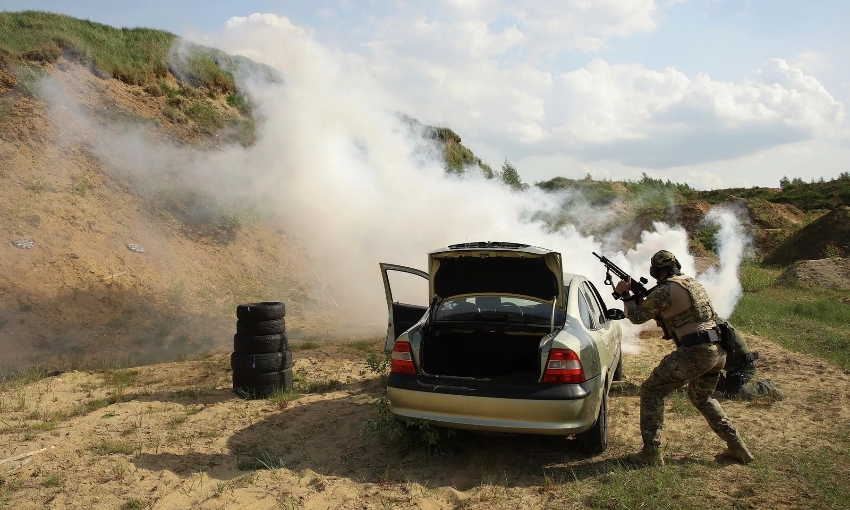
x=825, y=272
x=827, y=236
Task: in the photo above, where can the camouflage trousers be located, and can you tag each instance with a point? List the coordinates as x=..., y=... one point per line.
x=697, y=366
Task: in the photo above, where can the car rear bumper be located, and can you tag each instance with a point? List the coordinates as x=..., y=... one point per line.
x=533, y=409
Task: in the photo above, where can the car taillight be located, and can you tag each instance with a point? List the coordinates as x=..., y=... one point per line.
x=402, y=359
x=564, y=366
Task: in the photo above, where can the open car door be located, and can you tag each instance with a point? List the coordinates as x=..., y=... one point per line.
x=401, y=316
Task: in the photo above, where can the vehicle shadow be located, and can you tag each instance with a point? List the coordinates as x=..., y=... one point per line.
x=327, y=437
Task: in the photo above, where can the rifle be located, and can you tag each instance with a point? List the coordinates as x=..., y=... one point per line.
x=638, y=289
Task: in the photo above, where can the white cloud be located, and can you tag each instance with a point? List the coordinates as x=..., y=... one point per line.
x=486, y=69
x=812, y=61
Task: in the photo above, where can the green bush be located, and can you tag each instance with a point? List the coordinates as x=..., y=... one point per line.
x=412, y=435
x=206, y=117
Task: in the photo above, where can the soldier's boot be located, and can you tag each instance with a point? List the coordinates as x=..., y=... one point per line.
x=738, y=450
x=648, y=456
x=766, y=388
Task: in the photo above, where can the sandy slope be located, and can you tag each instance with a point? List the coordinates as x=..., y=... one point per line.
x=186, y=436
x=79, y=296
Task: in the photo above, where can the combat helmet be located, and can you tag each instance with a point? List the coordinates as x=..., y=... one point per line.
x=664, y=260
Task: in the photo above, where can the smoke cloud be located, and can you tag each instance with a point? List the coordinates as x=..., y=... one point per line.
x=336, y=166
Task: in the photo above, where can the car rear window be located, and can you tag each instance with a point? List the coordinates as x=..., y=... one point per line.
x=498, y=309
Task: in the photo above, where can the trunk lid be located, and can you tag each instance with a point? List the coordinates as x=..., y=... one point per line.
x=497, y=268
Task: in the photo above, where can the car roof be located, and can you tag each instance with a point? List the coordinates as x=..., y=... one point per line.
x=569, y=277
x=492, y=245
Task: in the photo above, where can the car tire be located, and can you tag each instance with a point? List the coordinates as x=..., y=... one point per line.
x=618, y=372
x=270, y=327
x=251, y=344
x=266, y=311
x=287, y=360
x=257, y=363
x=595, y=439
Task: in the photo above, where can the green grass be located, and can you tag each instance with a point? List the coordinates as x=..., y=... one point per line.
x=86, y=408
x=282, y=398
x=368, y=346
x=136, y=56
x=408, y=436
x=206, y=117
x=812, y=320
x=323, y=386
x=672, y=487
x=114, y=447
x=132, y=504
x=259, y=459
x=52, y=481
x=304, y=345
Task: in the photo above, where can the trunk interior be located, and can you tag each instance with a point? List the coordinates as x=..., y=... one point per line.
x=498, y=352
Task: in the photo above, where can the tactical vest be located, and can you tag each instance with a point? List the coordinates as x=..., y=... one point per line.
x=700, y=310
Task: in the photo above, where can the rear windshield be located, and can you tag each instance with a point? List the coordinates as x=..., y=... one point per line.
x=489, y=308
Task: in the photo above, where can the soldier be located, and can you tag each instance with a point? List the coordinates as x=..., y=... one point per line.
x=680, y=305
x=740, y=369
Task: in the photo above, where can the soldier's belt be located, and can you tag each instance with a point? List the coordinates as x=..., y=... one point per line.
x=708, y=336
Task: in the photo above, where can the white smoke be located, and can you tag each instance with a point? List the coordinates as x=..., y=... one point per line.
x=722, y=282
x=345, y=176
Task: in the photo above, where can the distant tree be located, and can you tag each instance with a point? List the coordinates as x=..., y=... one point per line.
x=511, y=177
x=797, y=181
x=588, y=177
x=844, y=175
x=784, y=182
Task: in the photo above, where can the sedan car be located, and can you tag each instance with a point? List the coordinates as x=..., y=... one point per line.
x=509, y=343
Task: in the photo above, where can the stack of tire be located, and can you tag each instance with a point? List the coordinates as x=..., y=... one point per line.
x=261, y=359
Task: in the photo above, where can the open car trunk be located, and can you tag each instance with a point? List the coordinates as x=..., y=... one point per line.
x=498, y=352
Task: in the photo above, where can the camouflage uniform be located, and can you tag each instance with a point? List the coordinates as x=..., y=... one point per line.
x=680, y=305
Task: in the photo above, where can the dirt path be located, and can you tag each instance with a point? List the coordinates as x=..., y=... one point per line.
x=178, y=438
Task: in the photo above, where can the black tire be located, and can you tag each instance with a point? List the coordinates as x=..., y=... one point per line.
x=250, y=344
x=266, y=311
x=286, y=379
x=245, y=379
x=618, y=372
x=256, y=392
x=287, y=360
x=248, y=385
x=256, y=363
x=595, y=439
x=272, y=327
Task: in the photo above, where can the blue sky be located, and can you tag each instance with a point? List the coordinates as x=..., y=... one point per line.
x=715, y=92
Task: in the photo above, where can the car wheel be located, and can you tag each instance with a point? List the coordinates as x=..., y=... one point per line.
x=595, y=440
x=618, y=372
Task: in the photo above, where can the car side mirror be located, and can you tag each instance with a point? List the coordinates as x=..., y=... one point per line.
x=615, y=314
